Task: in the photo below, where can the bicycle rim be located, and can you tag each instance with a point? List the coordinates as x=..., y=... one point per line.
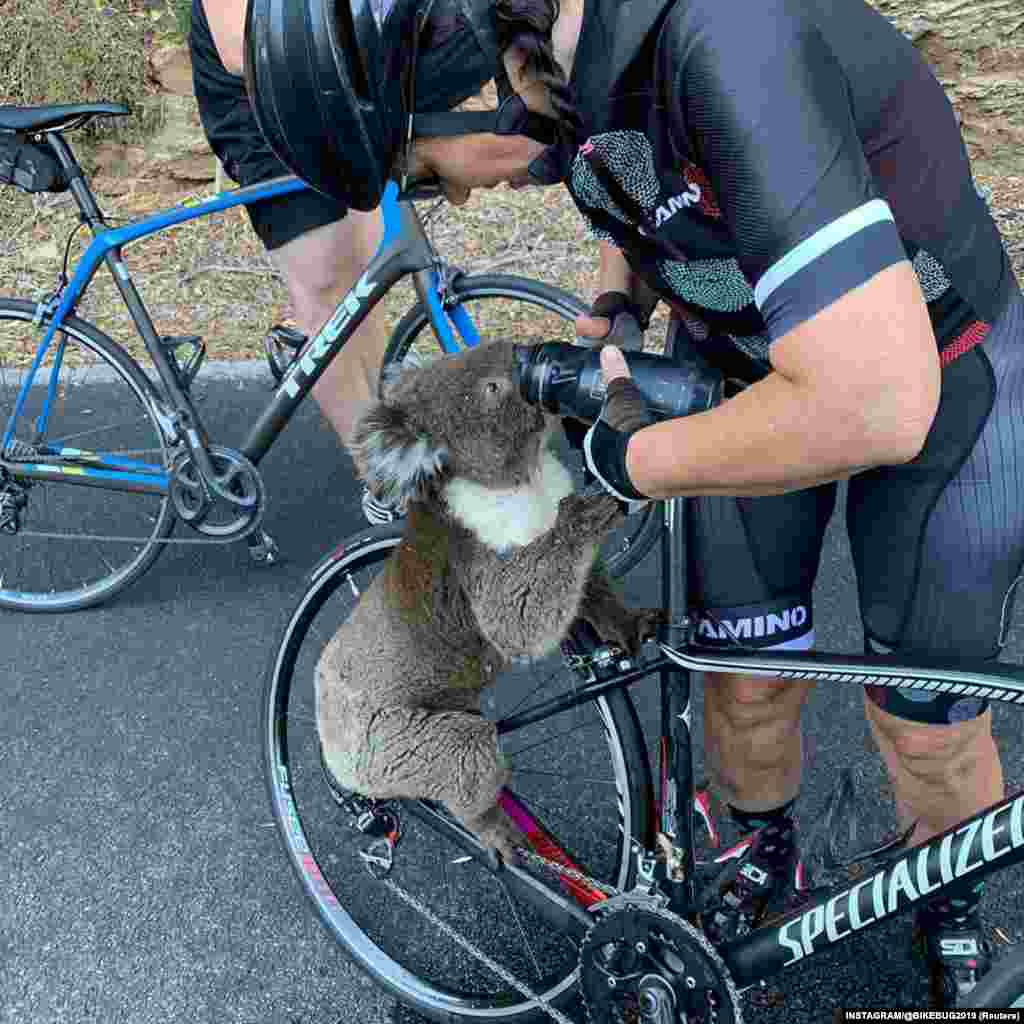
x=584, y=773
x=505, y=307
x=101, y=403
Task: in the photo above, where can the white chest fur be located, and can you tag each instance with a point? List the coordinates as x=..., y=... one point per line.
x=514, y=517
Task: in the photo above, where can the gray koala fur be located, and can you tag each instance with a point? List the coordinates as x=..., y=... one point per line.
x=497, y=559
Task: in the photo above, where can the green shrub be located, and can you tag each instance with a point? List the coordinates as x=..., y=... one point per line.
x=183, y=16
x=76, y=51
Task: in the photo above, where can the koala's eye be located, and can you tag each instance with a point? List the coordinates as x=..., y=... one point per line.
x=493, y=387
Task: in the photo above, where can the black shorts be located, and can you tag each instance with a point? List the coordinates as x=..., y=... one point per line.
x=937, y=543
x=235, y=137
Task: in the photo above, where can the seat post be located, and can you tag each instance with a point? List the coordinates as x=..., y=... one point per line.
x=76, y=180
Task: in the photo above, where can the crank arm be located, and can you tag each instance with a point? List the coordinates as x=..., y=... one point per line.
x=218, y=484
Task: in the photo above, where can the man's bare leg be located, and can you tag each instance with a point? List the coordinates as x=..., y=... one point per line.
x=319, y=267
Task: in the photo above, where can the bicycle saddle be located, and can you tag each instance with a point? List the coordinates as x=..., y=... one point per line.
x=63, y=115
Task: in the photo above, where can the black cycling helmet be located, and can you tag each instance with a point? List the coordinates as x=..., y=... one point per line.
x=333, y=82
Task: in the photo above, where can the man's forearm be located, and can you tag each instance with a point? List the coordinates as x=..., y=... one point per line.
x=771, y=438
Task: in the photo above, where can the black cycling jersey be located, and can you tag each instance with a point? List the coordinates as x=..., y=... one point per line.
x=757, y=161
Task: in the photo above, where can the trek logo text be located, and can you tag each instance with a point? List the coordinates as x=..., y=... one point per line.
x=999, y=832
x=349, y=307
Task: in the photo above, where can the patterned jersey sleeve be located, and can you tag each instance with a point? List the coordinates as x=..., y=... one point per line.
x=767, y=113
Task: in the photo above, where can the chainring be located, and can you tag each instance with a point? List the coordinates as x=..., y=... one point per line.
x=203, y=511
x=643, y=964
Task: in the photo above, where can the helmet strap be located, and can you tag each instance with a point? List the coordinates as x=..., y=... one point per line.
x=421, y=20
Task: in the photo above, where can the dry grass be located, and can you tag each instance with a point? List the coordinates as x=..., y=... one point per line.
x=211, y=276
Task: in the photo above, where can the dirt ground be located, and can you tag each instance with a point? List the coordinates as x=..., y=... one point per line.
x=211, y=276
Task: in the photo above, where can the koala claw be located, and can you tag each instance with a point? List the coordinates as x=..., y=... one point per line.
x=624, y=627
x=495, y=831
x=591, y=515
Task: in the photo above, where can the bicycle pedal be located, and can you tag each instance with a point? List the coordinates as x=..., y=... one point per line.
x=281, y=345
x=288, y=336
x=263, y=549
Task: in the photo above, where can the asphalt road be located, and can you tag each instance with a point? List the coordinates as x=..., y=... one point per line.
x=141, y=879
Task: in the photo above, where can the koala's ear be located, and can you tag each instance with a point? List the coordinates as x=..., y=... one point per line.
x=395, y=460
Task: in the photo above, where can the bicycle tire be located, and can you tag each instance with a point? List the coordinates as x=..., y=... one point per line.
x=628, y=545
x=1002, y=988
x=325, y=865
x=41, y=574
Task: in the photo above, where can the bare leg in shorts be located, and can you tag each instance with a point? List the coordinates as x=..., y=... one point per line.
x=932, y=577
x=319, y=265
x=318, y=268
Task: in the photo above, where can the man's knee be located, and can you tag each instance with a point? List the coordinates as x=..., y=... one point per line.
x=932, y=753
x=754, y=700
x=321, y=265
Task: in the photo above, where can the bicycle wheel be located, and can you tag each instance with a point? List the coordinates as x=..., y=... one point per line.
x=583, y=771
x=61, y=555
x=502, y=306
x=1002, y=988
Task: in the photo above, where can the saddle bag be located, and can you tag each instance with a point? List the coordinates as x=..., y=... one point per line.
x=29, y=167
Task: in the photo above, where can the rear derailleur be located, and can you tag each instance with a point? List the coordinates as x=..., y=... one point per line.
x=376, y=819
x=13, y=500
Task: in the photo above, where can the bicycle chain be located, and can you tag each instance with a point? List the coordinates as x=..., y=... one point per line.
x=21, y=451
x=502, y=972
x=46, y=535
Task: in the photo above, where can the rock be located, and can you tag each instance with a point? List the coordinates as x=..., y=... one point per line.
x=113, y=160
x=195, y=169
x=976, y=48
x=172, y=70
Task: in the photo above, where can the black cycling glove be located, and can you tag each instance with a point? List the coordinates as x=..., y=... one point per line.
x=628, y=321
x=628, y=324
x=604, y=446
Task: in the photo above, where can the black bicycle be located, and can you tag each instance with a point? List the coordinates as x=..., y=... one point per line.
x=607, y=906
x=99, y=460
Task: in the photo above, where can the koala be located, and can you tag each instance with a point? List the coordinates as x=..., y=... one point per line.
x=497, y=560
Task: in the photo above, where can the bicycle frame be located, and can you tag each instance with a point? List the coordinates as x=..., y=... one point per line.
x=403, y=250
x=977, y=846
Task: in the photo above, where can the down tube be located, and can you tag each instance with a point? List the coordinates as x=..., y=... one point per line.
x=988, y=842
x=391, y=263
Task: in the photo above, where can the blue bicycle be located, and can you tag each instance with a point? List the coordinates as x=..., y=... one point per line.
x=99, y=460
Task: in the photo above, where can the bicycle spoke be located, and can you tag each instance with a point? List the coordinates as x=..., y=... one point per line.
x=564, y=775
x=522, y=931
x=101, y=395
x=447, y=888
x=548, y=739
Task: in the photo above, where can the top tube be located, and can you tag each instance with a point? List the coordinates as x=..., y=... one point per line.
x=244, y=196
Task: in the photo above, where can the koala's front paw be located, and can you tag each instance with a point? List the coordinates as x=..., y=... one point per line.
x=495, y=830
x=624, y=627
x=590, y=515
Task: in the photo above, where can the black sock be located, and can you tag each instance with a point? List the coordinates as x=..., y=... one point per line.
x=778, y=830
x=957, y=905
